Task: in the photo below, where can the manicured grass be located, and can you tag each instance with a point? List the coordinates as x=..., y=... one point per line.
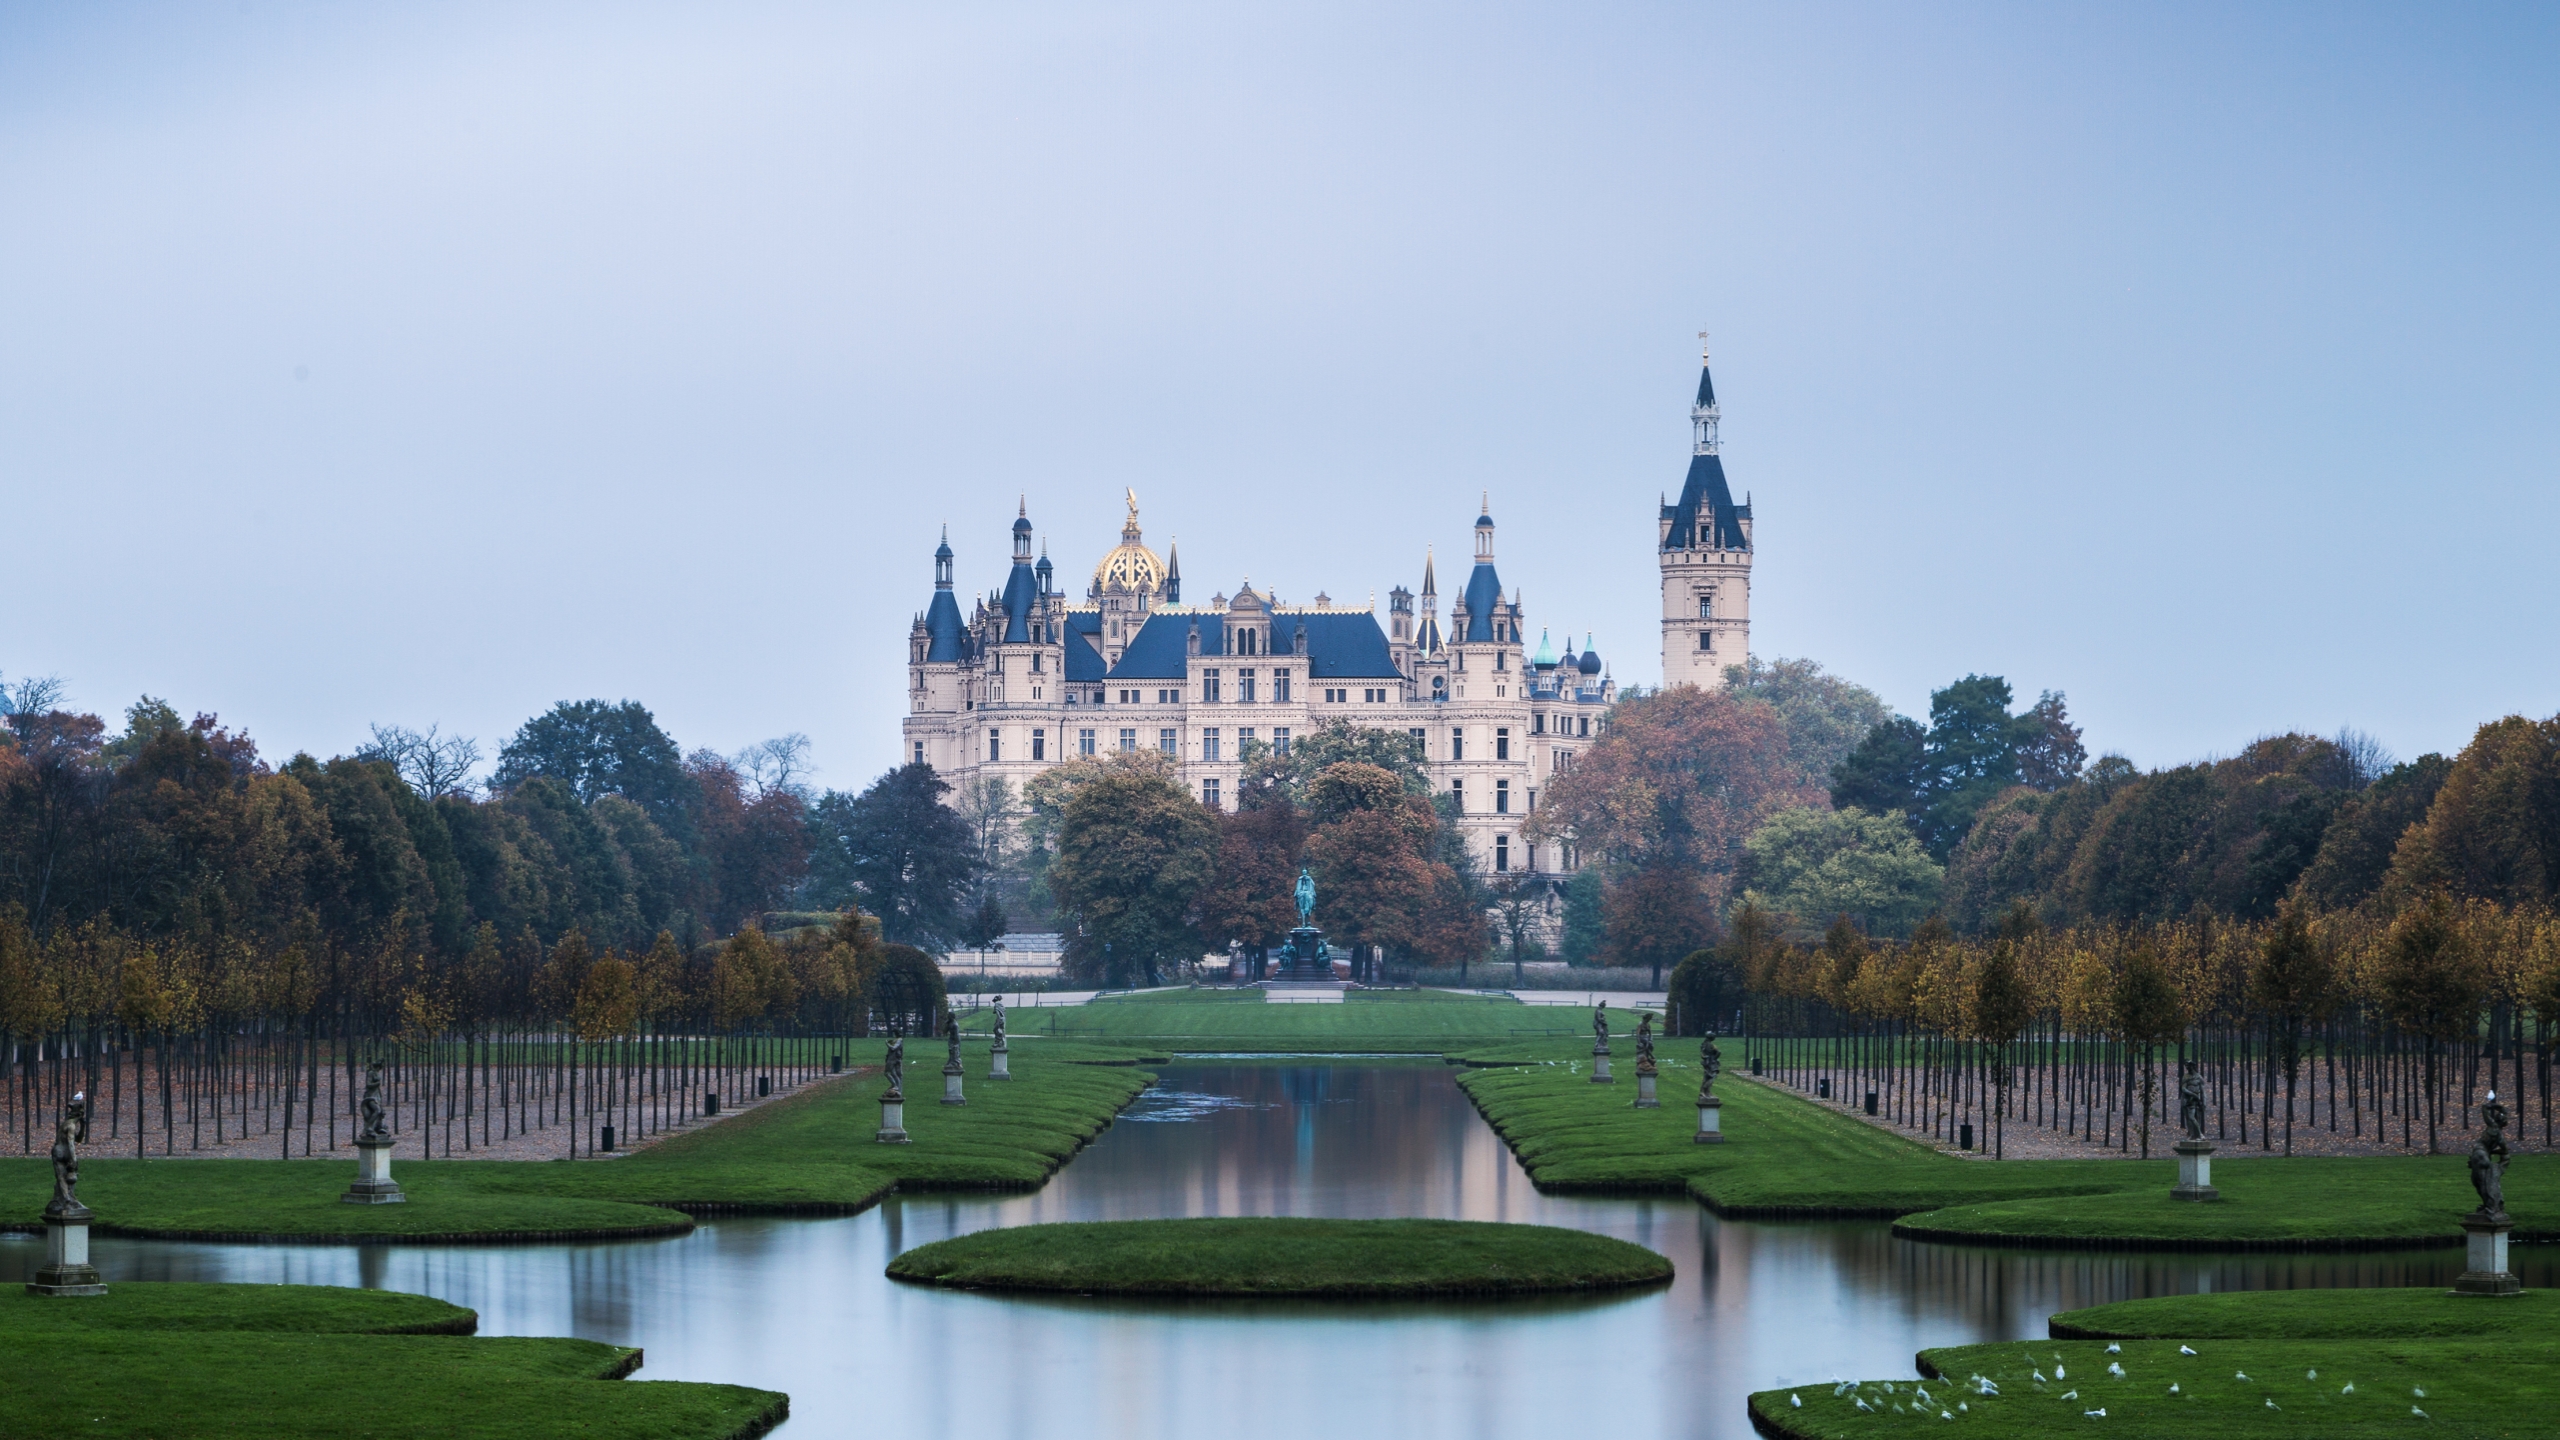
x=2394, y=1314
x=218, y=1361
x=1386, y=1021
x=1272, y=1256
x=2463, y=1387
x=1783, y=1156
x=812, y=1153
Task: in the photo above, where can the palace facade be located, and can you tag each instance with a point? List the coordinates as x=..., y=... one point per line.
x=1031, y=676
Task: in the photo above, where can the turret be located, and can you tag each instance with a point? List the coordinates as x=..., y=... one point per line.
x=944, y=631
x=1705, y=555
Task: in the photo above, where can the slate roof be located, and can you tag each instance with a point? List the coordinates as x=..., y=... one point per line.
x=1706, y=514
x=1341, y=645
x=1020, y=591
x=1484, y=591
x=946, y=638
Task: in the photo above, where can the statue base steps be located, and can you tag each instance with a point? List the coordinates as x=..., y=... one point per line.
x=374, y=1185
x=1710, y=1121
x=2195, y=1172
x=893, y=1122
x=67, y=1270
x=1001, y=1066
x=1645, y=1099
x=2485, y=1270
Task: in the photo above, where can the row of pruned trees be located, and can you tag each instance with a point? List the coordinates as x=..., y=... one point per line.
x=187, y=1046
x=2380, y=1026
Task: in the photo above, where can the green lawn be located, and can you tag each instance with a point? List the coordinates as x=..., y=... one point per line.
x=812, y=1153
x=1270, y=1256
x=1784, y=1156
x=217, y=1361
x=1421, y=1022
x=2271, y=1363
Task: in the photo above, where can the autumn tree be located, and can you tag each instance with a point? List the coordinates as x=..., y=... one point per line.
x=1248, y=900
x=1656, y=916
x=1134, y=850
x=2292, y=985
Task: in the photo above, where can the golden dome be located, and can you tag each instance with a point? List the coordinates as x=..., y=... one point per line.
x=1130, y=565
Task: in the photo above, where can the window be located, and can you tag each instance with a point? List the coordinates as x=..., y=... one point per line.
x=995, y=746
x=1462, y=660
x=1039, y=744
x=1439, y=687
x=1084, y=742
x=1128, y=739
x=1209, y=686
x=1586, y=724
x=1168, y=697
x=1533, y=809
x=1169, y=741
x=1280, y=740
x=1209, y=793
x=1375, y=697
x=1538, y=724
x=1209, y=748
x=1279, y=687
x=1501, y=854
x=1706, y=640
x=1097, y=696
x=1335, y=697
x=1036, y=666
x=1457, y=743
x=1501, y=797
x=1706, y=604
x=919, y=752
x=1421, y=746
x=1501, y=659
x=1502, y=743
x=1244, y=686
x=1458, y=796
x=1244, y=737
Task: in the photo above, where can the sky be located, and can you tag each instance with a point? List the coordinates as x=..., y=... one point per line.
x=434, y=363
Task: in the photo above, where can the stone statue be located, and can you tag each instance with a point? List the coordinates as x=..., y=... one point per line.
x=1306, y=897
x=1710, y=1064
x=2191, y=1100
x=1600, y=1022
x=951, y=1033
x=377, y=1119
x=999, y=1022
x=1644, y=1040
x=70, y=1130
x=2489, y=1157
x=895, y=1067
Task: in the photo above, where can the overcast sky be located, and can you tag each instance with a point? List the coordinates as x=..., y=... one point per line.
x=437, y=362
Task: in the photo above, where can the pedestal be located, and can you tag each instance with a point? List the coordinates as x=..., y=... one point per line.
x=374, y=1185
x=951, y=1089
x=2195, y=1172
x=67, y=1270
x=1710, y=1121
x=1600, y=1065
x=893, y=1120
x=2484, y=1269
x=999, y=1067
x=1644, y=1091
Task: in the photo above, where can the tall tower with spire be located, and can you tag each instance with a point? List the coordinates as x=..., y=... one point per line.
x=1705, y=550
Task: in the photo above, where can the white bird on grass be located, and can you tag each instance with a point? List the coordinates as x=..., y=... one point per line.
x=2184, y=1350
x=2418, y=1391
x=2038, y=1374
x=2421, y=1414
x=2115, y=1349
x=2070, y=1394
x=2173, y=1387
x=2239, y=1374
x=2115, y=1369
x=2098, y=1414
x=2273, y=1405
x=2347, y=1389
x=2312, y=1375
x=1796, y=1400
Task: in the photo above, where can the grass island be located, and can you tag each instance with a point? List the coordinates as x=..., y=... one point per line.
x=1281, y=1256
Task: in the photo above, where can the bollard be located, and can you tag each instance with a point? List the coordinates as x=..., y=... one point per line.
x=1964, y=1136
x=835, y=1064
x=1755, y=1064
x=608, y=1139
x=764, y=1086
x=1871, y=1102
x=1823, y=1087
x=711, y=1102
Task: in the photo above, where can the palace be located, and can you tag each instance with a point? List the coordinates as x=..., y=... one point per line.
x=1031, y=677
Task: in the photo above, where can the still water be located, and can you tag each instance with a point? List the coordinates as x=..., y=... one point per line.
x=801, y=1305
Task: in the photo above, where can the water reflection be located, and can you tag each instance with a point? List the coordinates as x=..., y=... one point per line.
x=801, y=1305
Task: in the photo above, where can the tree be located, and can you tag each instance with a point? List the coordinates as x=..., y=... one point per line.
x=434, y=764
x=1376, y=883
x=2291, y=984
x=907, y=856
x=1519, y=898
x=1826, y=717
x=1584, y=929
x=1249, y=901
x=908, y=990
x=1887, y=773
x=2050, y=754
x=1810, y=863
x=2002, y=1006
x=2493, y=832
x=1704, y=993
x=2145, y=1014
x=595, y=749
x=987, y=924
x=1972, y=750
x=1655, y=917
x=1681, y=777
x=2357, y=845
x=2431, y=983
x=1134, y=849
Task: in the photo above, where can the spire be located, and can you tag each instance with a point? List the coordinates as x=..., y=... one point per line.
x=1173, y=572
x=1705, y=517
x=1704, y=415
x=1430, y=586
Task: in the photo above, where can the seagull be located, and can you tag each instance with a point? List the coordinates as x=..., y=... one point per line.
x=2057, y=1371
x=1946, y=1415
x=2173, y=1387
x=2070, y=1394
x=2347, y=1389
x=2038, y=1374
x=1796, y=1400
x=2273, y=1405
x=2239, y=1374
x=2314, y=1375
x=2098, y=1414
x=2421, y=1414
x=1986, y=1387
x=2185, y=1350
x=2115, y=1369
x=1863, y=1405
x=2418, y=1391
x=2115, y=1349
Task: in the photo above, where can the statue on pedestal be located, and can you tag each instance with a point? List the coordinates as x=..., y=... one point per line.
x=377, y=1118
x=895, y=1066
x=1306, y=895
x=1600, y=1028
x=951, y=1033
x=999, y=1022
x=2191, y=1100
x=2489, y=1157
x=70, y=1130
x=1710, y=1065
x=1644, y=1043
